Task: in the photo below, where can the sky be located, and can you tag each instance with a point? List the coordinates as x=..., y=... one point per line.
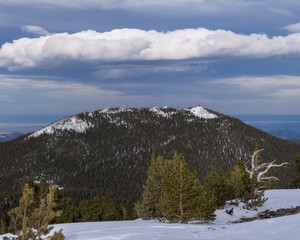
x=72, y=56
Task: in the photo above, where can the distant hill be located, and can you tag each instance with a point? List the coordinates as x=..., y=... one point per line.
x=107, y=152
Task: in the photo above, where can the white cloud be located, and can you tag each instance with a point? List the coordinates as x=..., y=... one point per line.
x=295, y=28
x=36, y=30
x=122, y=45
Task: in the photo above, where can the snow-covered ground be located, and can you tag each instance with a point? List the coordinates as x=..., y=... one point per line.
x=287, y=227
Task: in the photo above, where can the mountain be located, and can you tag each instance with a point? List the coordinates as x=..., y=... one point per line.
x=108, y=151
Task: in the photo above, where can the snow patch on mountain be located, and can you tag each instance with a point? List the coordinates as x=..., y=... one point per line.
x=114, y=110
x=201, y=112
x=198, y=111
x=158, y=111
x=69, y=123
x=75, y=124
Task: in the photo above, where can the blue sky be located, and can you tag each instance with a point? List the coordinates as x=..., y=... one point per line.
x=70, y=56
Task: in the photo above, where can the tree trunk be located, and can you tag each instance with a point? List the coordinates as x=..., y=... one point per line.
x=180, y=195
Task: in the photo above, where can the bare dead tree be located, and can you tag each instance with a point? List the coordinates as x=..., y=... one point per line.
x=262, y=169
x=254, y=166
x=260, y=177
x=258, y=171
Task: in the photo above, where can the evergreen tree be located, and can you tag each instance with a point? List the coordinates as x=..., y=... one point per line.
x=217, y=187
x=255, y=193
x=69, y=214
x=2, y=227
x=98, y=209
x=110, y=211
x=296, y=182
x=31, y=222
x=20, y=215
x=159, y=171
x=239, y=179
x=182, y=196
x=125, y=215
x=43, y=214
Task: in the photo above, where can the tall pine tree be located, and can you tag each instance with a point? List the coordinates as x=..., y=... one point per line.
x=217, y=187
x=239, y=180
x=182, y=196
x=2, y=226
x=159, y=171
x=296, y=182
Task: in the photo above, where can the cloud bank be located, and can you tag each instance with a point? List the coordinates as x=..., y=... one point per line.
x=138, y=45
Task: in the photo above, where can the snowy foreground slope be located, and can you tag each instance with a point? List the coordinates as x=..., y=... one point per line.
x=287, y=227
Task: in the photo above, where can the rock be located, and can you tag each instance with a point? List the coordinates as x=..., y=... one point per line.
x=270, y=214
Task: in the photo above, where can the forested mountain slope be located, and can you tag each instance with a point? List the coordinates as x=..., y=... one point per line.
x=107, y=152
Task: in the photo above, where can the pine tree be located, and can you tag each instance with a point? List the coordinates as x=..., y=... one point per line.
x=182, y=196
x=159, y=171
x=110, y=211
x=125, y=215
x=98, y=209
x=30, y=222
x=86, y=212
x=296, y=182
x=42, y=215
x=217, y=186
x=256, y=193
x=69, y=214
x=2, y=227
x=239, y=179
x=20, y=215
